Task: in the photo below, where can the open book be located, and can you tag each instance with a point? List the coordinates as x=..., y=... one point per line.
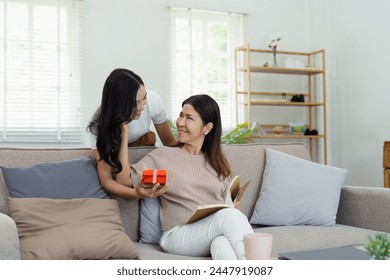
x=233, y=197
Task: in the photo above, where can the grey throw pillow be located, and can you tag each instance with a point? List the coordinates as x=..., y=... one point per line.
x=150, y=225
x=68, y=179
x=297, y=192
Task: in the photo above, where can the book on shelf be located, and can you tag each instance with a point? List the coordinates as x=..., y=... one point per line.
x=233, y=197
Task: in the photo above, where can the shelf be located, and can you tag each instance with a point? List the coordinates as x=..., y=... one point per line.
x=258, y=86
x=278, y=94
x=246, y=48
x=280, y=70
x=284, y=103
x=288, y=136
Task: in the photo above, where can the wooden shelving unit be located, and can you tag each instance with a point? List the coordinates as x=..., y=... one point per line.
x=386, y=164
x=309, y=66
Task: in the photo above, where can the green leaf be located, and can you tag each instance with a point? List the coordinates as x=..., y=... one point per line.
x=239, y=135
x=173, y=128
x=378, y=247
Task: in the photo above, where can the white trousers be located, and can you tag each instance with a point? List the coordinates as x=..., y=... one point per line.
x=220, y=234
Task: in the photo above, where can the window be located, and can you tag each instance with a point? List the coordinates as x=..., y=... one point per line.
x=39, y=72
x=202, y=58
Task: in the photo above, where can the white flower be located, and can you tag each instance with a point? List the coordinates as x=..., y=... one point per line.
x=273, y=43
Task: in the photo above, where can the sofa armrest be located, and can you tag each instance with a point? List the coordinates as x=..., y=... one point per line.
x=365, y=207
x=9, y=239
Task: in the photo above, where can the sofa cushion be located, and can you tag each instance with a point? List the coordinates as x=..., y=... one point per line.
x=150, y=225
x=297, y=192
x=84, y=228
x=76, y=178
x=154, y=252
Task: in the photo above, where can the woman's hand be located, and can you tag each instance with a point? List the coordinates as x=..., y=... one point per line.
x=153, y=192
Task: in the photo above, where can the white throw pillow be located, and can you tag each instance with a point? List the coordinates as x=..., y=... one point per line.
x=295, y=191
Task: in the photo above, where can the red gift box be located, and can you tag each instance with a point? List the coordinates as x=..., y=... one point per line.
x=154, y=176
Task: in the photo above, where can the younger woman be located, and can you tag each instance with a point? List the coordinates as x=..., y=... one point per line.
x=123, y=103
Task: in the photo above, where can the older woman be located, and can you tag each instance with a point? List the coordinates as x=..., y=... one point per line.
x=201, y=176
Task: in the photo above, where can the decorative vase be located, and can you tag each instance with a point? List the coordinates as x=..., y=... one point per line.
x=275, y=62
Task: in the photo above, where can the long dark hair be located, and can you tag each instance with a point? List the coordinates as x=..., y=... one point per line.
x=208, y=110
x=117, y=107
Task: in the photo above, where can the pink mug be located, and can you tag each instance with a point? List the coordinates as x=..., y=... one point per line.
x=258, y=246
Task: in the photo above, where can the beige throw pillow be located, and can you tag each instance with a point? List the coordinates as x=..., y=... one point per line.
x=65, y=229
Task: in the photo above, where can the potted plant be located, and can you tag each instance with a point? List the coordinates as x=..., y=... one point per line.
x=239, y=135
x=378, y=247
x=173, y=128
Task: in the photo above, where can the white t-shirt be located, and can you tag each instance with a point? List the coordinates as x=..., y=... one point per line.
x=153, y=111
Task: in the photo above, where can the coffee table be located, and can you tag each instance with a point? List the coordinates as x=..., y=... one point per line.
x=349, y=252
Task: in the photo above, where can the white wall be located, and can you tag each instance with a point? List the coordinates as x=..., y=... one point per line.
x=135, y=34
x=358, y=64
x=129, y=34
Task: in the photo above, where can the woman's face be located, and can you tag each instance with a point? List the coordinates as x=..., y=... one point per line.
x=190, y=126
x=140, y=102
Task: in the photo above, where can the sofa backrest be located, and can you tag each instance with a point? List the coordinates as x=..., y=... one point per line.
x=247, y=160
x=26, y=157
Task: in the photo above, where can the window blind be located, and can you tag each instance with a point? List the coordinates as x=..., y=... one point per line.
x=40, y=98
x=202, y=58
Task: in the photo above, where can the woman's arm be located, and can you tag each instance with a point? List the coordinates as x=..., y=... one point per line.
x=108, y=183
x=115, y=188
x=165, y=133
x=124, y=177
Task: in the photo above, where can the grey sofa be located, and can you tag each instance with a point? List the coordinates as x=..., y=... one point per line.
x=362, y=211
